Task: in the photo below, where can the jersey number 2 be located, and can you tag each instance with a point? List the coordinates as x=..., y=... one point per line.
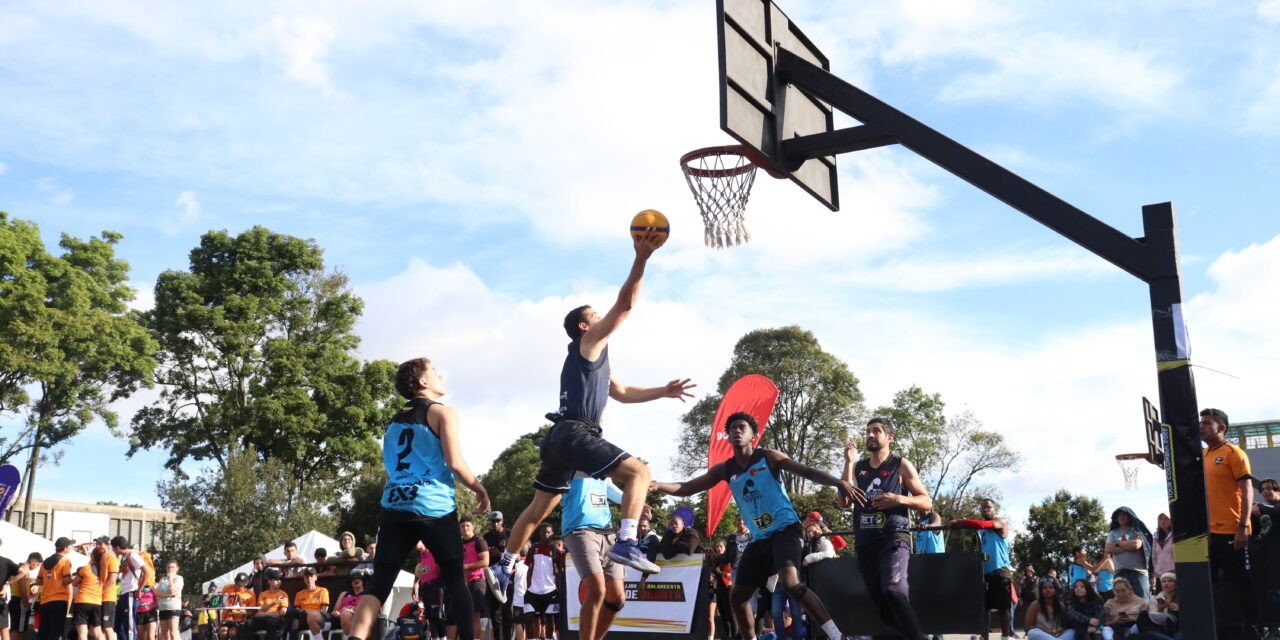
x=406, y=444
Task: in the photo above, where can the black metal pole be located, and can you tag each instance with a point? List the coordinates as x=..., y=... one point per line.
x=1179, y=410
x=1152, y=259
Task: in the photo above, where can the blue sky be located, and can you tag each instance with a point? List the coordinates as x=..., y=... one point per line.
x=473, y=168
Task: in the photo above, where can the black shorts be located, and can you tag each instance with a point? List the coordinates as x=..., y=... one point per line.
x=999, y=589
x=4, y=613
x=148, y=617
x=86, y=614
x=170, y=614
x=108, y=614
x=763, y=558
x=574, y=445
x=15, y=614
x=542, y=604
x=478, y=589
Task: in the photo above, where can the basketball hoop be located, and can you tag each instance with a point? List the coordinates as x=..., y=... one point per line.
x=720, y=179
x=1130, y=464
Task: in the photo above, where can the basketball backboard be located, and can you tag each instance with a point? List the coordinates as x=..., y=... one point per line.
x=751, y=96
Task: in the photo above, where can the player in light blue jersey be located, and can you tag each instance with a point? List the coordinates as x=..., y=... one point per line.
x=423, y=458
x=587, y=526
x=754, y=477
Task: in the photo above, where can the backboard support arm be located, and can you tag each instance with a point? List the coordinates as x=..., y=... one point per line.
x=1152, y=259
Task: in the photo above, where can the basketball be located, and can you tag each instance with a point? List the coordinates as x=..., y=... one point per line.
x=650, y=218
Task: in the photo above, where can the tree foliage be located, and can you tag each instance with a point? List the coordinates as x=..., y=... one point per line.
x=71, y=344
x=233, y=512
x=509, y=480
x=256, y=343
x=818, y=402
x=950, y=454
x=1056, y=526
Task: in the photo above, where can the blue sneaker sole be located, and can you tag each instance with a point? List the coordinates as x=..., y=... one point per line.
x=643, y=566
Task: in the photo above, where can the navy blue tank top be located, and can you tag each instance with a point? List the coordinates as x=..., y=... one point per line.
x=584, y=386
x=872, y=525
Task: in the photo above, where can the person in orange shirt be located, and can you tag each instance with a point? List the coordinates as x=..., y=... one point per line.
x=233, y=594
x=54, y=581
x=1229, y=488
x=109, y=573
x=311, y=605
x=86, y=608
x=272, y=604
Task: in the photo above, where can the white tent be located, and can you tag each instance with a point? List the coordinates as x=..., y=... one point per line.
x=401, y=591
x=17, y=543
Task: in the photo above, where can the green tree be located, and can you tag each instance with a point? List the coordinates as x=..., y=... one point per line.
x=1057, y=525
x=232, y=512
x=71, y=344
x=818, y=401
x=509, y=479
x=256, y=344
x=950, y=454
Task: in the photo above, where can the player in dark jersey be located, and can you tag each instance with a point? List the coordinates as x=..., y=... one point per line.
x=423, y=456
x=777, y=545
x=573, y=445
x=882, y=537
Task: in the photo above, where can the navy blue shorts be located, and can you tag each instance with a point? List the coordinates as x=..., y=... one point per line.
x=574, y=446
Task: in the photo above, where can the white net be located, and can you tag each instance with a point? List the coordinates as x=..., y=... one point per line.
x=720, y=179
x=1130, y=465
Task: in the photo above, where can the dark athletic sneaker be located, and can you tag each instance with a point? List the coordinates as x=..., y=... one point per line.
x=628, y=552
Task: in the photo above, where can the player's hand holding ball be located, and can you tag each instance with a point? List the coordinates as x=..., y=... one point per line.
x=649, y=230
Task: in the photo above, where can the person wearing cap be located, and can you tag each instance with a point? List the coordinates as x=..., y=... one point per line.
x=237, y=592
x=496, y=600
x=272, y=604
x=134, y=573
x=1162, y=615
x=311, y=604
x=54, y=581
x=109, y=573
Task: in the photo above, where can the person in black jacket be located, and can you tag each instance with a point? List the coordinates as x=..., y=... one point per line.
x=679, y=539
x=650, y=543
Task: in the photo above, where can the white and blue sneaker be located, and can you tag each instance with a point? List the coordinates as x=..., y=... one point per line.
x=628, y=552
x=502, y=573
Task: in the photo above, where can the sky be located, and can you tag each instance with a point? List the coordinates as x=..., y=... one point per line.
x=473, y=168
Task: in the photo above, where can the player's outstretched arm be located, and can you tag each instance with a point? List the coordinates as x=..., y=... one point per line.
x=597, y=336
x=678, y=389
x=711, y=478
x=446, y=423
x=780, y=460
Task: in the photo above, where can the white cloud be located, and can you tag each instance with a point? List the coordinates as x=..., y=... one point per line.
x=189, y=205
x=60, y=195
x=3, y=168
x=1269, y=10
x=303, y=44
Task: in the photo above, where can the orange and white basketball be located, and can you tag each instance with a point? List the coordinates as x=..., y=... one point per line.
x=650, y=218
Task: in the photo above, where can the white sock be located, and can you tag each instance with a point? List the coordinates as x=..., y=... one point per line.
x=833, y=632
x=508, y=558
x=628, y=529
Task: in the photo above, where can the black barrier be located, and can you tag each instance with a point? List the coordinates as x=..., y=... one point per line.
x=947, y=594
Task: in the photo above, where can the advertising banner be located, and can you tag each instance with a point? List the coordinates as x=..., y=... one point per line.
x=663, y=603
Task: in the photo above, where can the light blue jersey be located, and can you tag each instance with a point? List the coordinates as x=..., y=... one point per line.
x=995, y=551
x=761, y=499
x=418, y=480
x=929, y=542
x=587, y=504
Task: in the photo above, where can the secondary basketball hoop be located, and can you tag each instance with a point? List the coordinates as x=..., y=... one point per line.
x=720, y=179
x=1130, y=465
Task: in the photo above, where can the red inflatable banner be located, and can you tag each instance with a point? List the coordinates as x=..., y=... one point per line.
x=754, y=394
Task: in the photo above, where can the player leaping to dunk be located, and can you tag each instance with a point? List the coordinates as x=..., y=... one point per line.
x=777, y=545
x=574, y=444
